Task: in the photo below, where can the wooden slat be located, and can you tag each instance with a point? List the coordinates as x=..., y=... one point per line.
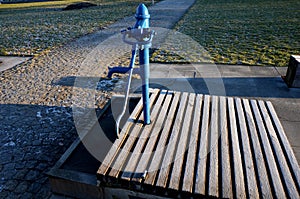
x=182, y=145
x=182, y=150
x=263, y=180
x=213, y=183
x=203, y=150
x=284, y=169
x=160, y=149
x=134, y=156
x=248, y=161
x=145, y=158
x=285, y=144
x=106, y=163
x=124, y=152
x=239, y=185
x=169, y=155
x=115, y=147
x=225, y=154
x=276, y=181
x=192, y=150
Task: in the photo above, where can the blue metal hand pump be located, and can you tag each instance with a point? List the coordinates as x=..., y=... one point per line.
x=142, y=36
x=142, y=16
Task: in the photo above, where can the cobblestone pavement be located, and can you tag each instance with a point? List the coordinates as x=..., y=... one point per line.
x=36, y=118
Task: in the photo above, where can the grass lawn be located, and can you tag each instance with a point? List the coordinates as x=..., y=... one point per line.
x=251, y=32
x=30, y=28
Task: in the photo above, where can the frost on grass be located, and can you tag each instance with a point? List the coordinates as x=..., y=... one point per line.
x=31, y=30
x=251, y=32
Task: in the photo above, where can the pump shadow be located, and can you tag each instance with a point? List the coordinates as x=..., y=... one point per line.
x=266, y=87
x=98, y=83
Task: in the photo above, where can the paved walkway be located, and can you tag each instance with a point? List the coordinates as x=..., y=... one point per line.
x=8, y=62
x=36, y=121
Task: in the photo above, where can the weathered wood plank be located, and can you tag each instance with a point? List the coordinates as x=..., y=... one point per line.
x=213, y=183
x=161, y=146
x=192, y=150
x=105, y=165
x=187, y=127
x=285, y=144
x=124, y=152
x=248, y=159
x=284, y=169
x=225, y=154
x=276, y=181
x=135, y=155
x=263, y=180
x=182, y=145
x=145, y=158
x=238, y=174
x=112, y=152
x=169, y=155
x=203, y=150
x=116, y=166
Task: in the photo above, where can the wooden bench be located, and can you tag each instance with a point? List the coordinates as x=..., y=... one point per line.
x=200, y=145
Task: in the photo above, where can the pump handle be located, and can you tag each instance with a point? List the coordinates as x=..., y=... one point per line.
x=143, y=36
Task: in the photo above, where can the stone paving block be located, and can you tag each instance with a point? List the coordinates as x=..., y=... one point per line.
x=32, y=175
x=21, y=174
x=11, y=185
x=4, y=194
x=34, y=188
x=22, y=187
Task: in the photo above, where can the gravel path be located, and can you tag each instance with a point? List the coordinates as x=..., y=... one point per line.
x=36, y=101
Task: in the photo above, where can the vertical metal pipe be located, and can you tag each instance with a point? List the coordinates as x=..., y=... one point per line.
x=144, y=64
x=142, y=16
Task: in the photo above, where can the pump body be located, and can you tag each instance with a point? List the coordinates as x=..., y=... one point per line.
x=140, y=37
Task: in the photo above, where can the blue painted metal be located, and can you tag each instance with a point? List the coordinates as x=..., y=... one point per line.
x=142, y=16
x=143, y=37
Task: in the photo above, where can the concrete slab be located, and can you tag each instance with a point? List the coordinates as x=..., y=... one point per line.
x=253, y=82
x=9, y=62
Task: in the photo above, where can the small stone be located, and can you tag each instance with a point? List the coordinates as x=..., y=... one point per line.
x=4, y=194
x=20, y=174
x=11, y=185
x=36, y=142
x=31, y=164
x=26, y=195
x=20, y=165
x=9, y=174
x=42, y=166
x=5, y=158
x=11, y=143
x=22, y=187
x=38, y=114
x=34, y=187
x=32, y=175
x=43, y=193
x=9, y=166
